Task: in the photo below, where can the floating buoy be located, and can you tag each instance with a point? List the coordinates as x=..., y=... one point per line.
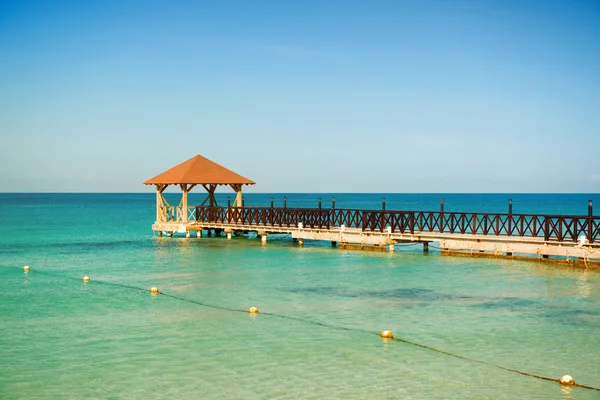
x=26, y=268
x=387, y=334
x=86, y=278
x=252, y=310
x=154, y=290
x=567, y=380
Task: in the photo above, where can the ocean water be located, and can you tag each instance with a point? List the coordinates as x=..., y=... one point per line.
x=321, y=308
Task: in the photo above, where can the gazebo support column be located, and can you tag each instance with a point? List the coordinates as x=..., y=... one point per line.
x=238, y=195
x=160, y=202
x=183, y=204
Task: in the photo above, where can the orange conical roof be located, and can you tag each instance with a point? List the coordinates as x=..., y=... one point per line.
x=199, y=170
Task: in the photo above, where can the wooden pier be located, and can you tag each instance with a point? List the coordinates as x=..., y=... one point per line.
x=573, y=239
x=560, y=238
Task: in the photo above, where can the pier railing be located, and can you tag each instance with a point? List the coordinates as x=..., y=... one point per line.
x=550, y=227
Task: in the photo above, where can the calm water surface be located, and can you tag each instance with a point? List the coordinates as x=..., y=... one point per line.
x=64, y=339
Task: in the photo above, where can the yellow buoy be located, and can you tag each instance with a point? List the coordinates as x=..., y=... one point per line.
x=252, y=310
x=387, y=334
x=567, y=380
x=26, y=268
x=86, y=278
x=154, y=290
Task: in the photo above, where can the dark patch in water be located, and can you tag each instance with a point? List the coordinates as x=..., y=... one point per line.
x=511, y=303
x=575, y=317
x=420, y=294
x=417, y=293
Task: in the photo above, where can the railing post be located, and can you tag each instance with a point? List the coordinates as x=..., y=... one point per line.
x=485, y=224
x=382, y=214
x=272, y=211
x=509, y=228
x=243, y=211
x=272, y=202
x=442, y=215
x=284, y=213
x=319, y=214
x=332, y=211
x=228, y=201
x=590, y=222
x=546, y=229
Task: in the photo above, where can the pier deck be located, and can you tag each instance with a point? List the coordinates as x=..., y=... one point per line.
x=574, y=239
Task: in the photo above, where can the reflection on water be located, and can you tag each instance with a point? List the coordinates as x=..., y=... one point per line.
x=584, y=286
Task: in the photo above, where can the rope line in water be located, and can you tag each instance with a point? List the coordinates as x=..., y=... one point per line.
x=330, y=326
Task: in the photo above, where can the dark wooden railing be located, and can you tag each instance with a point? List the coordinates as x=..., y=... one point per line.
x=550, y=227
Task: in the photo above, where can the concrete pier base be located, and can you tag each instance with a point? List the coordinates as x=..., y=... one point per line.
x=357, y=246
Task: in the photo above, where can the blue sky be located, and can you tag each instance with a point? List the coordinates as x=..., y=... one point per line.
x=306, y=96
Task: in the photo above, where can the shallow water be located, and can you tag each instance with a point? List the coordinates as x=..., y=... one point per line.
x=65, y=339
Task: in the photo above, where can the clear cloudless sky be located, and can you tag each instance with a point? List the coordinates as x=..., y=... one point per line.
x=302, y=96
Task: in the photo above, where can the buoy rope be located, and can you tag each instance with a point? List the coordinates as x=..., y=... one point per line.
x=326, y=325
x=488, y=364
x=199, y=302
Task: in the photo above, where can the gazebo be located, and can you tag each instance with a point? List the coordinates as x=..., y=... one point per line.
x=197, y=170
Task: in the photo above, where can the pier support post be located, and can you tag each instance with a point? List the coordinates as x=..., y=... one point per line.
x=392, y=248
x=333, y=243
x=159, y=233
x=199, y=233
x=228, y=235
x=300, y=242
x=263, y=236
x=425, y=247
x=187, y=234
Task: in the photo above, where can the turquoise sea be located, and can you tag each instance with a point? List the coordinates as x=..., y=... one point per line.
x=321, y=308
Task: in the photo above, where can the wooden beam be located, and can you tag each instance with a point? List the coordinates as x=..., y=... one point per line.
x=212, y=202
x=237, y=188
